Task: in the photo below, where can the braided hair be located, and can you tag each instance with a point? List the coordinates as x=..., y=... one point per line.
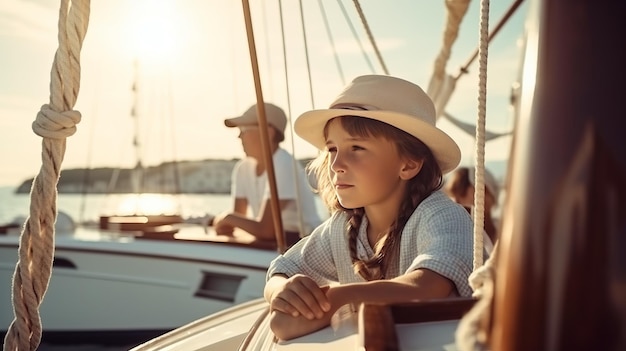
x=428, y=180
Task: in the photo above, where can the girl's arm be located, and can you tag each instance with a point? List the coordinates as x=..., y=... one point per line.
x=297, y=296
x=287, y=326
x=421, y=284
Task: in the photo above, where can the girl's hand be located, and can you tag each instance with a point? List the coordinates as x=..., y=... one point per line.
x=301, y=296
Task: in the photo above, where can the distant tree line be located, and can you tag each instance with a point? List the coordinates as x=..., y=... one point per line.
x=164, y=178
x=120, y=180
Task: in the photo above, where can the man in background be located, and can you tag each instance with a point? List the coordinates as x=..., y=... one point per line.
x=250, y=189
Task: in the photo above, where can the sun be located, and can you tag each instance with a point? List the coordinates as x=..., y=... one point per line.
x=155, y=31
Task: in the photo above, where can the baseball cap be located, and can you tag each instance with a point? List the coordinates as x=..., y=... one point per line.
x=274, y=115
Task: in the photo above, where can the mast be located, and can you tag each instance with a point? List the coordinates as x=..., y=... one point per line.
x=265, y=144
x=137, y=172
x=561, y=273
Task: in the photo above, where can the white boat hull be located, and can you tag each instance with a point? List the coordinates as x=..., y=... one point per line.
x=113, y=285
x=246, y=328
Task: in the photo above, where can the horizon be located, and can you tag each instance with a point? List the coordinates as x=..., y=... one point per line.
x=497, y=167
x=190, y=81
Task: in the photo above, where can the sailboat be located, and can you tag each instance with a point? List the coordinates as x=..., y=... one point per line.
x=562, y=223
x=557, y=281
x=196, y=274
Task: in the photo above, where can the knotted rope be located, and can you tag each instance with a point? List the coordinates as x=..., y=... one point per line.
x=472, y=333
x=55, y=122
x=456, y=10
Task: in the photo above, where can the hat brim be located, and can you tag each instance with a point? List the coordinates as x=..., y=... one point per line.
x=239, y=121
x=310, y=126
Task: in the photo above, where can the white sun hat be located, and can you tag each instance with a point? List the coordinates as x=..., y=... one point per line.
x=391, y=100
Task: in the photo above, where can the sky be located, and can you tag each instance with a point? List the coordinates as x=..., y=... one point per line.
x=190, y=62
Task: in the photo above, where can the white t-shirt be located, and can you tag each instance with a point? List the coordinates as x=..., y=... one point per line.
x=246, y=184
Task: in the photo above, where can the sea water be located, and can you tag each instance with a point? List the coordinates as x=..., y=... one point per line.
x=89, y=207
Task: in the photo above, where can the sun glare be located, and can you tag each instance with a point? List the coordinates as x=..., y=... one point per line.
x=148, y=204
x=155, y=31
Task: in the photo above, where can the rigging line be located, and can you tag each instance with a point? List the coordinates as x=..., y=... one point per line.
x=370, y=36
x=293, y=148
x=87, y=173
x=303, y=232
x=175, y=164
x=282, y=32
x=332, y=42
x=233, y=71
x=136, y=175
x=268, y=58
x=160, y=164
x=306, y=55
x=114, y=177
x=496, y=29
x=356, y=36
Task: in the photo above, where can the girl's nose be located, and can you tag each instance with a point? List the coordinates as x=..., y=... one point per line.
x=337, y=164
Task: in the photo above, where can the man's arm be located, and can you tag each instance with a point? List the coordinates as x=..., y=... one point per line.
x=241, y=206
x=262, y=228
x=223, y=226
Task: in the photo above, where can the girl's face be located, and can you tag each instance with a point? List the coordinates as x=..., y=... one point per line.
x=365, y=171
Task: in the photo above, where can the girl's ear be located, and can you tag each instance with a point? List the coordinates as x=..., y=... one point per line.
x=410, y=169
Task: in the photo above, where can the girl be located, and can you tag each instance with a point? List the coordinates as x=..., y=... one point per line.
x=393, y=235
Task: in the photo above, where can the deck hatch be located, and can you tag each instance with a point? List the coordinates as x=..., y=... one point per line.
x=219, y=286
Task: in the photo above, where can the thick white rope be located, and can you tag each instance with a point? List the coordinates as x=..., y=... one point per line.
x=55, y=122
x=472, y=331
x=456, y=10
x=479, y=184
x=441, y=85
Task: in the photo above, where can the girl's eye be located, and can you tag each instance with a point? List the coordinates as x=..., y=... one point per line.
x=332, y=149
x=357, y=147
